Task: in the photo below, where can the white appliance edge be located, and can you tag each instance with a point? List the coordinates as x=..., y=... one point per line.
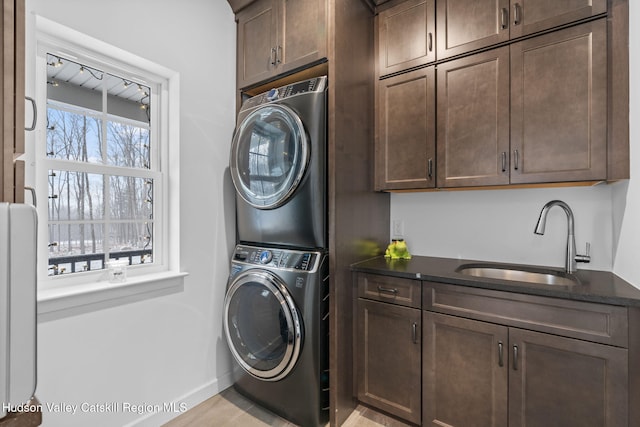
x=18, y=225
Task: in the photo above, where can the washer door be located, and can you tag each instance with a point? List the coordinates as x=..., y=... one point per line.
x=269, y=156
x=262, y=324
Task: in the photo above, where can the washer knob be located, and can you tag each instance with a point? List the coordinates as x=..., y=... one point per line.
x=265, y=257
x=272, y=95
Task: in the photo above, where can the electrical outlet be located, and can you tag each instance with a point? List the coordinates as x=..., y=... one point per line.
x=398, y=229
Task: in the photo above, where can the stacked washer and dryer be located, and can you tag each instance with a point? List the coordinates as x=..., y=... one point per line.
x=276, y=309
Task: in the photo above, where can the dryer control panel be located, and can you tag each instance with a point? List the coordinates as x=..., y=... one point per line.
x=278, y=258
x=317, y=84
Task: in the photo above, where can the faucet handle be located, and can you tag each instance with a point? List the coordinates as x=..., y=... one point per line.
x=586, y=257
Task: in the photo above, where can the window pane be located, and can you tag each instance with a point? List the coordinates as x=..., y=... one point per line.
x=131, y=198
x=73, y=136
x=128, y=145
x=75, y=196
x=128, y=99
x=75, y=248
x=132, y=241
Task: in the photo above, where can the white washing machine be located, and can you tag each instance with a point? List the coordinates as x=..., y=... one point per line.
x=278, y=165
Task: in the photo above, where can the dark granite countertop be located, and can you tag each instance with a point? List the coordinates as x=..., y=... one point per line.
x=594, y=286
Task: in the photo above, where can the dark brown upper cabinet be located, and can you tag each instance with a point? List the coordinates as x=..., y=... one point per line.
x=531, y=112
x=473, y=120
x=531, y=16
x=559, y=106
x=406, y=36
x=277, y=36
x=12, y=54
x=464, y=26
x=405, y=131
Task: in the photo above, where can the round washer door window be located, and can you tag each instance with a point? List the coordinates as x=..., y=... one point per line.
x=262, y=325
x=269, y=156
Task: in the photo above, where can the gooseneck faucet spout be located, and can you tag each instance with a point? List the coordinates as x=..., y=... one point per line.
x=572, y=258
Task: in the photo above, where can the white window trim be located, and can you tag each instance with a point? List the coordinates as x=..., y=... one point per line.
x=66, y=295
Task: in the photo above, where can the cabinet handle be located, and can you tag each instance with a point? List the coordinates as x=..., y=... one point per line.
x=279, y=55
x=389, y=290
x=515, y=357
x=500, y=354
x=430, y=42
x=516, y=159
x=414, y=332
x=504, y=18
x=516, y=14
x=273, y=56
x=35, y=113
x=33, y=195
x=504, y=161
x=430, y=168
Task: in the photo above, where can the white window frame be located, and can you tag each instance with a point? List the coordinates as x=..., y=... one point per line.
x=74, y=291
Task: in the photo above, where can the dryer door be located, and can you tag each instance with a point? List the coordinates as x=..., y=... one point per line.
x=269, y=156
x=262, y=324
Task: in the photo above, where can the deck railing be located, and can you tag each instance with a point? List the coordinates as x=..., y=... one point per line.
x=56, y=264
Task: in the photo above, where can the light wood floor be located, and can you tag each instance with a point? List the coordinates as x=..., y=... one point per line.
x=230, y=409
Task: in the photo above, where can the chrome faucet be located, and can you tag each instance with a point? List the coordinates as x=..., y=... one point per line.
x=572, y=257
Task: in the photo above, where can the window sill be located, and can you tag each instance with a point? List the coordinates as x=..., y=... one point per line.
x=77, y=299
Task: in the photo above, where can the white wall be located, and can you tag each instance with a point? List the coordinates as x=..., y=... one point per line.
x=170, y=348
x=497, y=225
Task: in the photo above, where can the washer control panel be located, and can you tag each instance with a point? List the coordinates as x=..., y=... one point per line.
x=279, y=258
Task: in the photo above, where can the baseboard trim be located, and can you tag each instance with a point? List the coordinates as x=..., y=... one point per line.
x=186, y=402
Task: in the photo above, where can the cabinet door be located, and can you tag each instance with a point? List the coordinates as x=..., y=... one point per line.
x=473, y=120
x=388, y=358
x=559, y=106
x=406, y=36
x=12, y=53
x=257, y=42
x=556, y=381
x=302, y=33
x=405, y=140
x=465, y=25
x=465, y=371
x=530, y=16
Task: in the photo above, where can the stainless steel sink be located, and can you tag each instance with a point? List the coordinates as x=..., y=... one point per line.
x=519, y=274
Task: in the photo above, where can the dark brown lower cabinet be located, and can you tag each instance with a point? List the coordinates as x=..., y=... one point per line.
x=481, y=374
x=465, y=382
x=388, y=347
x=557, y=381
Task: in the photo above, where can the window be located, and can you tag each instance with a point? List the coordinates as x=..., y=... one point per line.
x=104, y=160
x=101, y=168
